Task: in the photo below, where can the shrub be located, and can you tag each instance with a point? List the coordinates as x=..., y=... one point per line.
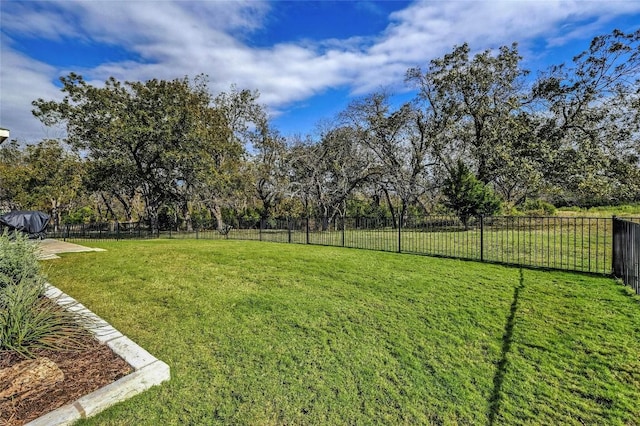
x=468, y=196
x=18, y=260
x=28, y=320
x=538, y=208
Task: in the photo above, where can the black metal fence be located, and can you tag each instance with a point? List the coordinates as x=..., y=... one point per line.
x=582, y=244
x=626, y=252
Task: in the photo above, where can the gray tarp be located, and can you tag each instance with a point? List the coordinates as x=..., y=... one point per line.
x=30, y=222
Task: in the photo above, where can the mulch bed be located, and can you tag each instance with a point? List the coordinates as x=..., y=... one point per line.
x=85, y=371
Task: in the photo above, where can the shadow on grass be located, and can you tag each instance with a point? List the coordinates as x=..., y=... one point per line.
x=494, y=402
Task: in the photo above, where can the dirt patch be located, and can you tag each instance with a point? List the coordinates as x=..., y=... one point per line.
x=84, y=371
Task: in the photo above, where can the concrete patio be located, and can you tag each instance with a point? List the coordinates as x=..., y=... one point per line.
x=50, y=248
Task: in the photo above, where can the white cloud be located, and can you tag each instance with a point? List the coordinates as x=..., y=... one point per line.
x=23, y=80
x=174, y=39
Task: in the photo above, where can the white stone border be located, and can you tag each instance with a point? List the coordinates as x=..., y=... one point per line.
x=148, y=371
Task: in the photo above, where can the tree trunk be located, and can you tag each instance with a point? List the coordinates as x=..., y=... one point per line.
x=187, y=218
x=108, y=206
x=216, y=211
x=391, y=209
x=56, y=214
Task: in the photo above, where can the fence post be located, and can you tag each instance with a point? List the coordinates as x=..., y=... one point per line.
x=117, y=231
x=289, y=230
x=481, y=238
x=343, y=229
x=260, y=230
x=66, y=235
x=307, y=229
x=400, y=232
x=614, y=246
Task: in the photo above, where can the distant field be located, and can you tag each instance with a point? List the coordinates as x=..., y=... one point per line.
x=602, y=211
x=262, y=333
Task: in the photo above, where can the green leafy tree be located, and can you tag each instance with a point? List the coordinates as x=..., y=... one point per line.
x=55, y=179
x=593, y=120
x=270, y=171
x=45, y=176
x=160, y=139
x=14, y=177
x=471, y=104
x=468, y=196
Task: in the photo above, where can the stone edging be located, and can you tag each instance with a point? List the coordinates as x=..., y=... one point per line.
x=148, y=371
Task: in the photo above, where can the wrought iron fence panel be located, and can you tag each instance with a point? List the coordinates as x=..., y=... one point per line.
x=584, y=244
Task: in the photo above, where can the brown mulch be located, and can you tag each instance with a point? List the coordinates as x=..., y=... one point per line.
x=85, y=371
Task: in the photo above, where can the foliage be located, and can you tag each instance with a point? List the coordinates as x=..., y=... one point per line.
x=160, y=138
x=83, y=214
x=593, y=121
x=14, y=172
x=164, y=151
x=475, y=105
x=629, y=210
x=28, y=320
x=55, y=178
x=264, y=333
x=44, y=176
x=467, y=196
x=19, y=261
x=538, y=208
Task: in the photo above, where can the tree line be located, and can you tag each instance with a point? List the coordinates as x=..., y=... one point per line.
x=481, y=135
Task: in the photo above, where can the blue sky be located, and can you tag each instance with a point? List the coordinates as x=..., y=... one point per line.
x=308, y=59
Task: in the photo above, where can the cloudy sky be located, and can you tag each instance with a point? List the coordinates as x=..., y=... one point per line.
x=308, y=59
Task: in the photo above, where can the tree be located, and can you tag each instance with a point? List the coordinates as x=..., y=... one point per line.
x=270, y=170
x=163, y=137
x=398, y=143
x=593, y=122
x=329, y=171
x=55, y=178
x=14, y=177
x=266, y=147
x=232, y=185
x=45, y=176
x=471, y=103
x=467, y=195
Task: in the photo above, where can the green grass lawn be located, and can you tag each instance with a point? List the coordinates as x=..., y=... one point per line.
x=268, y=333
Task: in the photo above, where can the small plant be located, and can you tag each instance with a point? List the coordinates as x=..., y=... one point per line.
x=18, y=260
x=29, y=320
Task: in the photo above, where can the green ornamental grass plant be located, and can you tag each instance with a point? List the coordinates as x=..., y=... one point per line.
x=28, y=320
